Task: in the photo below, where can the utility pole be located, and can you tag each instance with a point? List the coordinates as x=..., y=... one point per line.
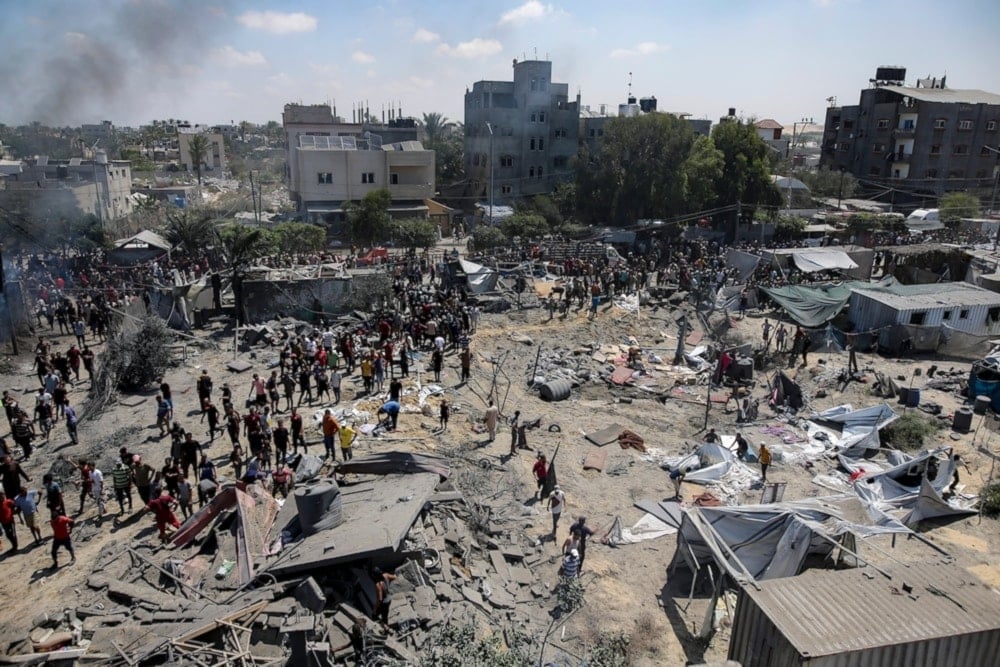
x=6, y=303
x=492, y=212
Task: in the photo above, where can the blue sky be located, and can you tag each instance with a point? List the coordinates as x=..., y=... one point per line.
x=214, y=60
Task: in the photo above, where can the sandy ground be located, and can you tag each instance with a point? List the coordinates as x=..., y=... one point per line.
x=626, y=587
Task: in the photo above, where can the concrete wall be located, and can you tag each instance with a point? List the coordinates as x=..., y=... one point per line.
x=265, y=300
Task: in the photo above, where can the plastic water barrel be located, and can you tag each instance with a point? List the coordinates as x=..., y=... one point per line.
x=913, y=398
x=556, y=390
x=904, y=395
x=314, y=502
x=744, y=369
x=982, y=405
x=962, y=421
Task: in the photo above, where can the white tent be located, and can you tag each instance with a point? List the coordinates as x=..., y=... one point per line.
x=479, y=278
x=827, y=260
x=858, y=429
x=709, y=463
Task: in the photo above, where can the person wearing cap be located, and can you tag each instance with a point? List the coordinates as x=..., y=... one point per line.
x=571, y=565
x=557, y=501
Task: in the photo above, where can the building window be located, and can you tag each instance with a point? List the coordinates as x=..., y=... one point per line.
x=475, y=159
x=541, y=117
x=560, y=133
x=985, y=150
x=874, y=171
x=506, y=160
x=559, y=161
x=531, y=144
x=917, y=318
x=843, y=146
x=965, y=124
x=963, y=315
x=956, y=173
x=368, y=177
x=991, y=126
x=541, y=144
x=848, y=124
x=324, y=178
x=882, y=124
x=534, y=84
x=393, y=179
x=540, y=171
x=878, y=148
x=993, y=315
x=946, y=315
x=961, y=149
x=505, y=189
x=936, y=149
x=931, y=173
x=534, y=117
x=939, y=123
x=542, y=84
x=600, y=131
x=531, y=172
x=909, y=124
x=592, y=133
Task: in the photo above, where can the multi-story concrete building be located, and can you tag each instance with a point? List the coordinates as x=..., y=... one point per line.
x=331, y=162
x=533, y=127
x=593, y=122
x=921, y=140
x=215, y=156
x=55, y=188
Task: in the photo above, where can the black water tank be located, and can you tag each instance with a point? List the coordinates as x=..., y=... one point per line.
x=319, y=506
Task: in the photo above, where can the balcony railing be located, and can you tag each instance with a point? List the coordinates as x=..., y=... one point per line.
x=901, y=157
x=904, y=131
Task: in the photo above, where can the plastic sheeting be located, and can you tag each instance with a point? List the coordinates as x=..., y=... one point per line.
x=744, y=263
x=772, y=541
x=828, y=260
x=479, y=278
x=708, y=464
x=646, y=528
x=858, y=428
x=811, y=306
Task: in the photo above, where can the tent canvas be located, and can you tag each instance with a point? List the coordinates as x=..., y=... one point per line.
x=709, y=463
x=479, y=278
x=811, y=306
x=812, y=261
x=858, y=429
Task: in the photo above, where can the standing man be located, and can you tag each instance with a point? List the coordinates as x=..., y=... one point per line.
x=766, y=331
x=557, y=501
x=330, y=428
x=62, y=526
x=540, y=471
x=779, y=337
x=204, y=386
x=764, y=456
x=581, y=531
x=121, y=478
x=347, y=437
x=492, y=417
x=7, y=511
x=142, y=476
x=852, y=358
x=336, y=379
x=297, y=437
x=465, y=357
x=27, y=504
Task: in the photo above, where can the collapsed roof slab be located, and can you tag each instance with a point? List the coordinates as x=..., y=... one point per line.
x=378, y=514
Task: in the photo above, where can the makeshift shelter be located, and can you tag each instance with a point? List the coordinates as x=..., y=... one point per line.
x=850, y=260
x=786, y=392
x=811, y=306
x=920, y=614
x=476, y=278
x=758, y=542
x=745, y=263
x=137, y=249
x=709, y=463
x=857, y=430
x=961, y=306
x=917, y=484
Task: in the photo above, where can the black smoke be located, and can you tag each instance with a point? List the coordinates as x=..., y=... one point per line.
x=99, y=60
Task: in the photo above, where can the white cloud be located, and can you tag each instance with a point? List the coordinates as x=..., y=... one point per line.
x=640, y=49
x=420, y=82
x=230, y=57
x=424, y=36
x=474, y=48
x=362, y=58
x=278, y=23
x=529, y=11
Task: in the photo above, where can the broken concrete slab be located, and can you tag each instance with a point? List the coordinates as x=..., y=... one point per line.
x=310, y=595
x=239, y=365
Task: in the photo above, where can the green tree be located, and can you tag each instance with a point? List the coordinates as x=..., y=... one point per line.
x=546, y=207
x=524, y=225
x=190, y=231
x=954, y=206
x=702, y=170
x=198, y=147
x=368, y=220
x=487, y=236
x=243, y=246
x=788, y=227
x=638, y=170
x=564, y=197
x=414, y=233
x=827, y=182
x=297, y=237
x=434, y=124
x=449, y=161
x=746, y=172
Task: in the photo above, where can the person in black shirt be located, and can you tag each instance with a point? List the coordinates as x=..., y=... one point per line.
x=190, y=448
x=280, y=435
x=297, y=436
x=395, y=390
x=582, y=531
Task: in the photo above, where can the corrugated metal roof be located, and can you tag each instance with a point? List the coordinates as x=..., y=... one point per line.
x=954, y=95
x=825, y=612
x=932, y=295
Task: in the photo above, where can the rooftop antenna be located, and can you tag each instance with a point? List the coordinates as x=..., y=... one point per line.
x=832, y=100
x=630, y=84
x=536, y=53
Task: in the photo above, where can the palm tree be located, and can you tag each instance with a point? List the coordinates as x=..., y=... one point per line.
x=190, y=233
x=198, y=147
x=434, y=124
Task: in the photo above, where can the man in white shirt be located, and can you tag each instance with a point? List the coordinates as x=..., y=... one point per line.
x=557, y=501
x=335, y=380
x=97, y=489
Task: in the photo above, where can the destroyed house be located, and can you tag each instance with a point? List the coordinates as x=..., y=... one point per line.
x=914, y=615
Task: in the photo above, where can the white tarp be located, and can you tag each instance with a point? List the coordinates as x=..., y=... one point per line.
x=646, y=528
x=480, y=278
x=811, y=261
x=708, y=464
x=858, y=428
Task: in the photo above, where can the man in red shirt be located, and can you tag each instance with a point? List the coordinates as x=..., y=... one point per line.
x=541, y=471
x=61, y=527
x=162, y=509
x=7, y=519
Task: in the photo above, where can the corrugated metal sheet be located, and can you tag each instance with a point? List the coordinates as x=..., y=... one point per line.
x=842, y=618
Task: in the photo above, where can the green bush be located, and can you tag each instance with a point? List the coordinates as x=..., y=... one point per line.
x=910, y=432
x=989, y=500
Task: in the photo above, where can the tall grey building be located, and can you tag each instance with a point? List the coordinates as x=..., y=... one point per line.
x=535, y=133
x=921, y=140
